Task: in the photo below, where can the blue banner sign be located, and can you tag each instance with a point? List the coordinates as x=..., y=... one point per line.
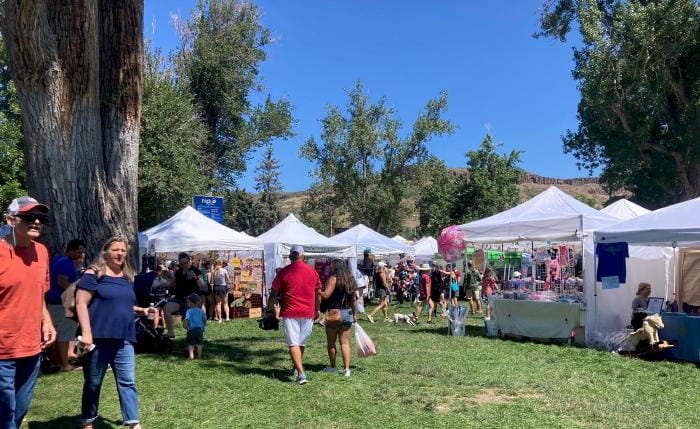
x=211, y=207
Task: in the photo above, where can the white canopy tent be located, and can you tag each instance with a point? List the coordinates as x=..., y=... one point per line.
x=425, y=249
x=402, y=240
x=625, y=209
x=675, y=225
x=290, y=231
x=551, y=215
x=363, y=237
x=657, y=234
x=189, y=230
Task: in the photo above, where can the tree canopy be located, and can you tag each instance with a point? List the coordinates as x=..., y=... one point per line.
x=362, y=161
x=222, y=47
x=639, y=77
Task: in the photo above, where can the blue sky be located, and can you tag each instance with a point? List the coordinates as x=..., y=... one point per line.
x=498, y=77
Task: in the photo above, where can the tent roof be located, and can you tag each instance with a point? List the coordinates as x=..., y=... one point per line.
x=362, y=236
x=291, y=231
x=678, y=224
x=400, y=239
x=426, y=246
x=625, y=209
x=189, y=230
x=552, y=214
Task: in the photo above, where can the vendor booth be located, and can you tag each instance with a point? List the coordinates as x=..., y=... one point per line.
x=205, y=239
x=676, y=227
x=317, y=247
x=549, y=301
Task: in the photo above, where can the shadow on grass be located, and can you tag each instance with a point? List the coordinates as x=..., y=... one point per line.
x=73, y=422
x=264, y=356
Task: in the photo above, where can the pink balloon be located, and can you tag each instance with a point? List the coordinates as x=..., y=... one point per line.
x=451, y=243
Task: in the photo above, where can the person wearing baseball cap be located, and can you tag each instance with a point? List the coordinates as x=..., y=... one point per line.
x=300, y=303
x=24, y=280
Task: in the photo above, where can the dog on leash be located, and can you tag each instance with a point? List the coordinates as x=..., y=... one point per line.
x=410, y=319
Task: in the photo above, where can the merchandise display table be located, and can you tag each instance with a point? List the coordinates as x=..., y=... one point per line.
x=537, y=319
x=683, y=330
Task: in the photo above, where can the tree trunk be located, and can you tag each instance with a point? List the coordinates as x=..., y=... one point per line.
x=77, y=66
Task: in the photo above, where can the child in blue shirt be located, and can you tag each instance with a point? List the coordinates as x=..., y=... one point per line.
x=195, y=321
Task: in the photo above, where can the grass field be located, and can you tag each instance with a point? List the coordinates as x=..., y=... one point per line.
x=420, y=378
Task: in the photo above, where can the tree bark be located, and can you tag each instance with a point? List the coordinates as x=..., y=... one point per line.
x=77, y=66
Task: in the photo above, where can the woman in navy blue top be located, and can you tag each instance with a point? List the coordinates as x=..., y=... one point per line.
x=105, y=304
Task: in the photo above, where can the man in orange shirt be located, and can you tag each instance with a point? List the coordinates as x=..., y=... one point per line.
x=25, y=323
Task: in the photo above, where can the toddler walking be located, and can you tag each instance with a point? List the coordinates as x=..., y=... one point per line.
x=195, y=321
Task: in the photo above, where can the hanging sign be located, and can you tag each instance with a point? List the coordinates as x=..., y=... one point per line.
x=211, y=207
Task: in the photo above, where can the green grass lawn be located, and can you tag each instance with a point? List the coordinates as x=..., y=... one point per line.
x=420, y=378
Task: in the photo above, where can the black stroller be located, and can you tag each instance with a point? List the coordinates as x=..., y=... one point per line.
x=149, y=339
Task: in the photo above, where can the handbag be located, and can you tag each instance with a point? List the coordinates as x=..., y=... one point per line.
x=68, y=301
x=333, y=316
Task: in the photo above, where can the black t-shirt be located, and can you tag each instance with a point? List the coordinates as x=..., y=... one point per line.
x=186, y=283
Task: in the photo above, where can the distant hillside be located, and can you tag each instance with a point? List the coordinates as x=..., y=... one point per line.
x=586, y=189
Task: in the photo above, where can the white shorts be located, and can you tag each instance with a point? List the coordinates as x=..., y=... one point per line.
x=297, y=331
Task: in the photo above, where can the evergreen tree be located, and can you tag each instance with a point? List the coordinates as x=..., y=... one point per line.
x=268, y=187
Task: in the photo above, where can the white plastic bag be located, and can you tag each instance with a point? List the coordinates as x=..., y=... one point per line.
x=363, y=343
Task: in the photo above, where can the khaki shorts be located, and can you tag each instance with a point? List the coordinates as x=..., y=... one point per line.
x=472, y=294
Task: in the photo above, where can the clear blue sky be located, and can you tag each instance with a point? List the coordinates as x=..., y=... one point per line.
x=498, y=77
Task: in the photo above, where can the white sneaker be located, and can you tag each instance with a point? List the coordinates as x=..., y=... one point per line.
x=301, y=380
x=330, y=369
x=346, y=373
x=370, y=318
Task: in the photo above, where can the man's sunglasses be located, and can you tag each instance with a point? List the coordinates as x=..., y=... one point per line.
x=33, y=217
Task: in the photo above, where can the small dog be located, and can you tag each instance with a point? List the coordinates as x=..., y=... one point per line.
x=410, y=319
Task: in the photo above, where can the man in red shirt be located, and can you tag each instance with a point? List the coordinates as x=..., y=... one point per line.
x=299, y=287
x=25, y=322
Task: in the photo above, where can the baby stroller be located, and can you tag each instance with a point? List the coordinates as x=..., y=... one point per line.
x=149, y=339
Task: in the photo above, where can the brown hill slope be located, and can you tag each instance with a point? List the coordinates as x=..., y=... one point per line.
x=586, y=189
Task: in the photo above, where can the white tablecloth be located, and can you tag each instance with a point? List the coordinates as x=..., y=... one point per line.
x=536, y=319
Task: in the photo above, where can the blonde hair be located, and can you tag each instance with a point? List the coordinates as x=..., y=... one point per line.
x=642, y=286
x=100, y=264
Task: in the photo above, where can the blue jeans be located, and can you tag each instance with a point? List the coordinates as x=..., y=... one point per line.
x=17, y=381
x=119, y=354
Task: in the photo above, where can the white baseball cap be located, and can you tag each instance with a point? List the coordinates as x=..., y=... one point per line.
x=297, y=249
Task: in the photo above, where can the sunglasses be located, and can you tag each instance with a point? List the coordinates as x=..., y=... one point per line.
x=33, y=217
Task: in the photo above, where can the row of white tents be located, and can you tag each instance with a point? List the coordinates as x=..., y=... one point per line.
x=189, y=230
x=550, y=216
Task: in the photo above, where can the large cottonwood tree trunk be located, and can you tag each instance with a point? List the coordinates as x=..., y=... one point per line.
x=77, y=66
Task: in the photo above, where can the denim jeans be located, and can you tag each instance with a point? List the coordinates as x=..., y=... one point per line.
x=119, y=354
x=17, y=381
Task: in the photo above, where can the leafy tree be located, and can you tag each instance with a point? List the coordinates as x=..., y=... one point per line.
x=241, y=211
x=639, y=76
x=77, y=69
x=12, y=168
x=268, y=187
x=172, y=142
x=361, y=173
x=491, y=185
x=437, y=197
x=222, y=48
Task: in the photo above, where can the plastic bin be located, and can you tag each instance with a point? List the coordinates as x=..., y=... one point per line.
x=491, y=327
